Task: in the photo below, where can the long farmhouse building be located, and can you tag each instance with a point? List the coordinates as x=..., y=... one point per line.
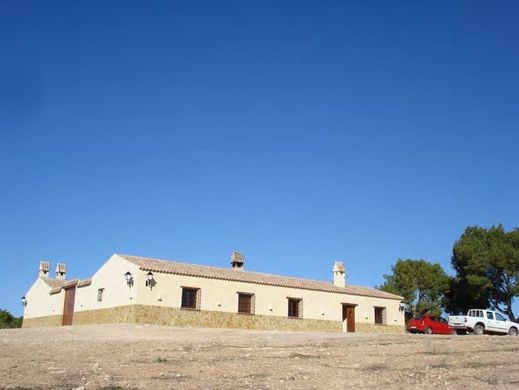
x=142, y=290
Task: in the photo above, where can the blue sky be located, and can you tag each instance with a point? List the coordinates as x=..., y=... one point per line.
x=297, y=132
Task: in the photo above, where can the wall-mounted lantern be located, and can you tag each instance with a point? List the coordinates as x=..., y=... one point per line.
x=24, y=301
x=149, y=280
x=129, y=278
x=401, y=307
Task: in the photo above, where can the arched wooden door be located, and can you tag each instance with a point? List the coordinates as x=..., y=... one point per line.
x=68, y=306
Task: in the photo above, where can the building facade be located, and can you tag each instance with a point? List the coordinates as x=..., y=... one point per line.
x=131, y=289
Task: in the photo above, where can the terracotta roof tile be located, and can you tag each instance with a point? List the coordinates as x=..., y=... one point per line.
x=202, y=271
x=53, y=283
x=57, y=285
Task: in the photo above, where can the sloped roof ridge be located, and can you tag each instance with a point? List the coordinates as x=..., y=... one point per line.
x=56, y=285
x=227, y=269
x=245, y=276
x=53, y=282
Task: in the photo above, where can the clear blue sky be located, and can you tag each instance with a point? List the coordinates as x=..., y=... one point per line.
x=297, y=132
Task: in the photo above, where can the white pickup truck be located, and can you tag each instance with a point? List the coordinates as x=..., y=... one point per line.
x=483, y=321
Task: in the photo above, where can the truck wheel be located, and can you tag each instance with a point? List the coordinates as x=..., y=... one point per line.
x=428, y=330
x=512, y=331
x=479, y=329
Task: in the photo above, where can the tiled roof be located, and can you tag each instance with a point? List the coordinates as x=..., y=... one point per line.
x=202, y=271
x=53, y=283
x=56, y=285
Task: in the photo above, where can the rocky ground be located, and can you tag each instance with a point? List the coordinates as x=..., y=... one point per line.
x=155, y=357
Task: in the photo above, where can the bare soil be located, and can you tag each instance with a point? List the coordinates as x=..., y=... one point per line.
x=156, y=357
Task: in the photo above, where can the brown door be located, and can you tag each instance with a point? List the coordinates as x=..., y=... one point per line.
x=348, y=318
x=68, y=306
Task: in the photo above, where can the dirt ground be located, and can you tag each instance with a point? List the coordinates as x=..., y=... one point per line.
x=156, y=357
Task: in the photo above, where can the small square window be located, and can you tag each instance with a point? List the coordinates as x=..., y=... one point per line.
x=380, y=315
x=245, y=303
x=100, y=294
x=190, y=298
x=295, y=307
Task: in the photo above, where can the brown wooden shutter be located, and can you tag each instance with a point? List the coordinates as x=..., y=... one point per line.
x=293, y=307
x=379, y=311
x=245, y=303
x=189, y=300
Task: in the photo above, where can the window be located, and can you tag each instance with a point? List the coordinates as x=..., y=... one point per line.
x=499, y=317
x=100, y=294
x=295, y=307
x=245, y=303
x=380, y=315
x=490, y=315
x=190, y=298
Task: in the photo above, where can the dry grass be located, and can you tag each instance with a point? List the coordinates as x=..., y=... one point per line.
x=142, y=357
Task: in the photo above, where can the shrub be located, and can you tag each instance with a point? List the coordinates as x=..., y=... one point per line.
x=7, y=320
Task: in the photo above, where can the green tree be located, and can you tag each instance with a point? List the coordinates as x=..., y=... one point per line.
x=420, y=283
x=486, y=262
x=7, y=320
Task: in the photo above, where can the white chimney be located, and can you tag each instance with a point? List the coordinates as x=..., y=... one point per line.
x=339, y=274
x=43, y=271
x=237, y=260
x=61, y=270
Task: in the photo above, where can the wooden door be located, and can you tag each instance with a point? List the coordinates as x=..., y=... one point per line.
x=348, y=318
x=351, y=318
x=68, y=306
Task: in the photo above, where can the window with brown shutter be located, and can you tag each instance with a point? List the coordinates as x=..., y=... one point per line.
x=294, y=307
x=245, y=303
x=189, y=298
x=379, y=315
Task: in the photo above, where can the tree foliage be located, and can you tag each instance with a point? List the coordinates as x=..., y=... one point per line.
x=486, y=262
x=7, y=320
x=420, y=283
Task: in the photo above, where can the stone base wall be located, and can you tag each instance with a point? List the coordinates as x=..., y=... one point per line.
x=157, y=315
x=213, y=319
x=113, y=315
x=375, y=328
x=42, y=321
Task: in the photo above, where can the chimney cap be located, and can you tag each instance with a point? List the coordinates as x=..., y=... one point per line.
x=44, y=266
x=339, y=267
x=44, y=269
x=61, y=268
x=237, y=259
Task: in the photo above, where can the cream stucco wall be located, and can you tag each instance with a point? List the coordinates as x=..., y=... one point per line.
x=109, y=277
x=40, y=303
x=220, y=295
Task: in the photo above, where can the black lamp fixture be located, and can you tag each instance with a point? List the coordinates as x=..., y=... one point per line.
x=401, y=307
x=129, y=278
x=24, y=301
x=149, y=279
